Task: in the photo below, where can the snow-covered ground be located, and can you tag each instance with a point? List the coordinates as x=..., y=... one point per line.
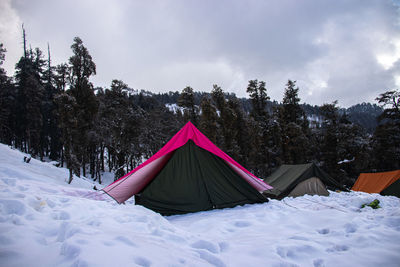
x=46, y=222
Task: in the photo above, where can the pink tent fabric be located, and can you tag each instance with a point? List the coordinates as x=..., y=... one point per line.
x=133, y=182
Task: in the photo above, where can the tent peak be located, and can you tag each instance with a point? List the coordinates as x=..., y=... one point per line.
x=189, y=124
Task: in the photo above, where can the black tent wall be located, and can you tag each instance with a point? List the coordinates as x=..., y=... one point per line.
x=392, y=190
x=195, y=180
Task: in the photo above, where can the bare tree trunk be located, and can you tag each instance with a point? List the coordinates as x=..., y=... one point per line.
x=70, y=176
x=83, y=168
x=109, y=160
x=98, y=174
x=102, y=157
x=62, y=156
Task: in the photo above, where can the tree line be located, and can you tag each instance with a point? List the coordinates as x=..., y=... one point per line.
x=56, y=113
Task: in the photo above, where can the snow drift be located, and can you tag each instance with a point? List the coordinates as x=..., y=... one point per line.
x=45, y=222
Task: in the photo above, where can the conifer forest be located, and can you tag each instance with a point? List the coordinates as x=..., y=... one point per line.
x=54, y=112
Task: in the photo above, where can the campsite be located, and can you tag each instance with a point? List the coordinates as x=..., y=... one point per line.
x=310, y=227
x=72, y=226
x=222, y=133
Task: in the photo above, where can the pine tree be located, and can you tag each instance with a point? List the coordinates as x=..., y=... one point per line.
x=258, y=95
x=225, y=130
x=51, y=133
x=391, y=99
x=353, y=144
x=386, y=139
x=292, y=112
x=218, y=97
x=61, y=76
x=208, y=119
x=7, y=103
x=186, y=100
x=228, y=118
x=239, y=126
x=330, y=142
x=117, y=126
x=81, y=90
x=293, y=127
x=261, y=134
x=29, y=96
x=81, y=65
x=68, y=123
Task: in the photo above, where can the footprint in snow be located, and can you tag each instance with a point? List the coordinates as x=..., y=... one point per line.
x=210, y=258
x=295, y=252
x=64, y=200
x=242, y=224
x=19, y=195
x=142, y=262
x=70, y=251
x=203, y=244
x=66, y=230
x=12, y=207
x=22, y=188
x=9, y=181
x=60, y=215
x=37, y=203
x=323, y=231
x=338, y=248
x=94, y=222
x=350, y=228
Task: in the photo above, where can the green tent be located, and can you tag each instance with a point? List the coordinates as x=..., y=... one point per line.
x=193, y=180
x=392, y=190
x=298, y=180
x=189, y=174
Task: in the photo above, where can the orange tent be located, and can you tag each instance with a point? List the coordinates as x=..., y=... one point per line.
x=375, y=182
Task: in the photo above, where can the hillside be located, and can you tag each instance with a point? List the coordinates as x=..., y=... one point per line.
x=364, y=114
x=46, y=222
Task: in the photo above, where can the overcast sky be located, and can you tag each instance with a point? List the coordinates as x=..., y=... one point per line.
x=346, y=50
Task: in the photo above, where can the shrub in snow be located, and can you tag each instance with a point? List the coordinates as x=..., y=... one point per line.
x=374, y=204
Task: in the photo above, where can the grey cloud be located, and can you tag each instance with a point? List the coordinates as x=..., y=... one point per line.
x=330, y=47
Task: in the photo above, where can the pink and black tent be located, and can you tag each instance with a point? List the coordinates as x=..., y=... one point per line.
x=189, y=174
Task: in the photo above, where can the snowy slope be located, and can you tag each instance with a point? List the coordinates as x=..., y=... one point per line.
x=45, y=222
